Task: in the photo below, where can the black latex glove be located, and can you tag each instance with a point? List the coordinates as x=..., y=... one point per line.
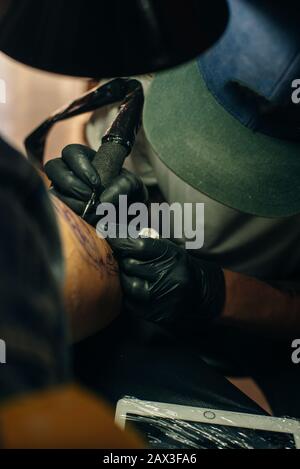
x=74, y=179
x=163, y=283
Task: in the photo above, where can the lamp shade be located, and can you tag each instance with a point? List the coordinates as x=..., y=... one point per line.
x=106, y=38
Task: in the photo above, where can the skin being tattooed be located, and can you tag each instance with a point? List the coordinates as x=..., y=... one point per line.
x=92, y=289
x=87, y=243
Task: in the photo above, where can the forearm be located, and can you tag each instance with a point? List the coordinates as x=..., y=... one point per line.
x=256, y=305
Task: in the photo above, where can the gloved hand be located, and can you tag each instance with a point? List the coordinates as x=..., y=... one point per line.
x=74, y=179
x=165, y=284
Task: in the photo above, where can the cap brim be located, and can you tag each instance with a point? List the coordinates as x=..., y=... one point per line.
x=211, y=151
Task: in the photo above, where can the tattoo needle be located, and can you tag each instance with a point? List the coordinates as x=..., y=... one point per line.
x=90, y=204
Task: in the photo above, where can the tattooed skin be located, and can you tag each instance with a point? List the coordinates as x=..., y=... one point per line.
x=89, y=249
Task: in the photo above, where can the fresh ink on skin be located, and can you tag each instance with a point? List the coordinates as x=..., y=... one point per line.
x=89, y=249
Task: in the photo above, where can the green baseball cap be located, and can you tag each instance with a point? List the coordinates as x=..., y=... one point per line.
x=205, y=128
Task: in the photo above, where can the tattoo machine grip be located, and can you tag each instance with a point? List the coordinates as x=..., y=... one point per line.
x=117, y=143
x=109, y=161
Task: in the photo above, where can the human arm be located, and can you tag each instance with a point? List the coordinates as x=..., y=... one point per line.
x=92, y=292
x=166, y=284
x=259, y=306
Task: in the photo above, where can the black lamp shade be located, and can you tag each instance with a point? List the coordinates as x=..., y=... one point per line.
x=97, y=38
